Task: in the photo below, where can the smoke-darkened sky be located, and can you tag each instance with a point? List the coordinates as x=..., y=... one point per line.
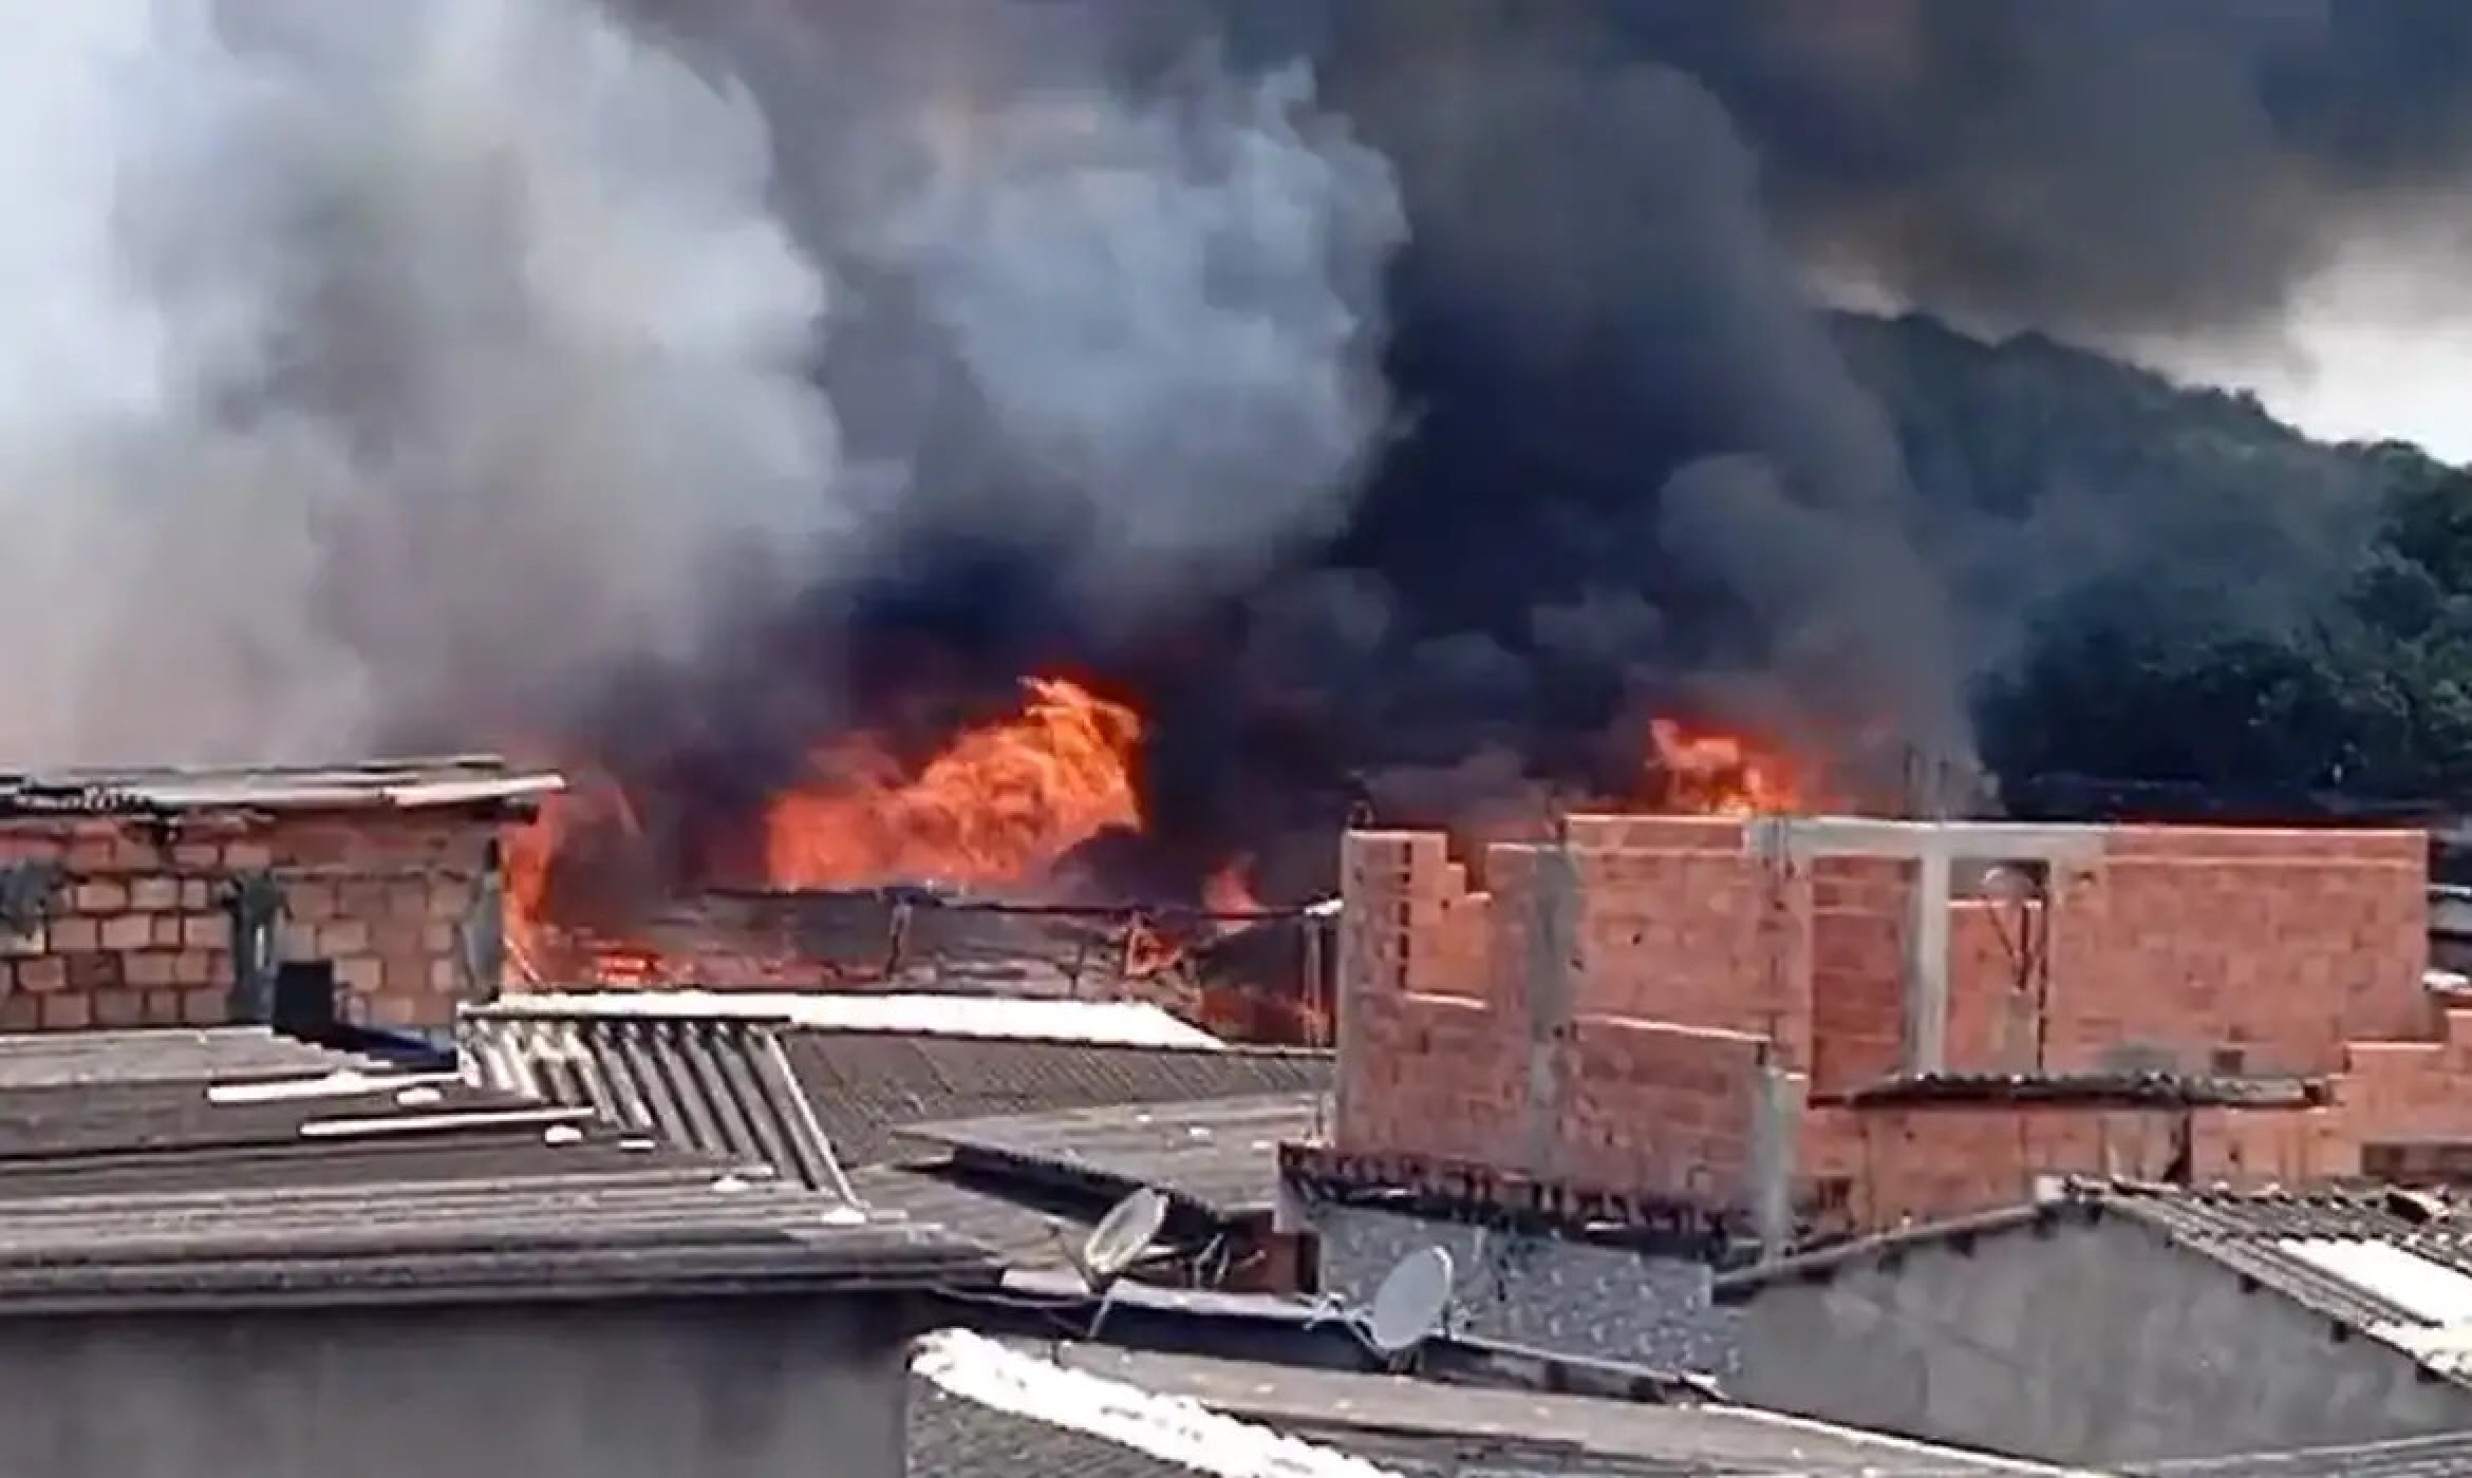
x=1407, y=395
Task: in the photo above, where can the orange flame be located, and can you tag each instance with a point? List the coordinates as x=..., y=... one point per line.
x=1230, y=890
x=531, y=854
x=1001, y=803
x=1710, y=773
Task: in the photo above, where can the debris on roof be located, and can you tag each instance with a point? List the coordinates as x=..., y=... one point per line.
x=412, y=784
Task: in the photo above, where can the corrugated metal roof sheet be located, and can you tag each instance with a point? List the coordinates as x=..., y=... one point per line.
x=866, y=1089
x=164, y=1054
x=720, y=1080
x=174, y=1186
x=541, y=1234
x=409, y=784
x=719, y=1086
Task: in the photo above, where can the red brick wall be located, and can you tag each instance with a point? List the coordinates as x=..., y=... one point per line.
x=1861, y=914
x=1928, y=1162
x=2278, y=945
x=1992, y=991
x=137, y=926
x=1440, y=1052
x=1694, y=962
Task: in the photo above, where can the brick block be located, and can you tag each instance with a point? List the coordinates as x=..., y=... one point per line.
x=154, y=894
x=117, y=1008
x=20, y=1013
x=343, y=937
x=73, y=936
x=362, y=975
x=127, y=931
x=311, y=903
x=204, y=1007
x=67, y=1012
x=161, y=1008
x=44, y=975
x=248, y=856
x=99, y=897
x=166, y=931
x=206, y=931
x=150, y=968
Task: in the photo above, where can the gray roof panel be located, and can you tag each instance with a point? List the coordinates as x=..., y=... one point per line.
x=1219, y=1156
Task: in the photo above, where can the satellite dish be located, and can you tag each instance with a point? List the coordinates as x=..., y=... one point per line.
x=1122, y=1236
x=1408, y=1307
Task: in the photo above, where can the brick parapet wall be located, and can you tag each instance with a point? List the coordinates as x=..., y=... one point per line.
x=1461, y=1041
x=1874, y=1166
x=134, y=922
x=1470, y=1030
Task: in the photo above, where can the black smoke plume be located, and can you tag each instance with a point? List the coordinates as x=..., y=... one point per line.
x=1399, y=401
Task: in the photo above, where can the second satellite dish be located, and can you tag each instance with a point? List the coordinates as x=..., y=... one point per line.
x=1122, y=1236
x=1409, y=1306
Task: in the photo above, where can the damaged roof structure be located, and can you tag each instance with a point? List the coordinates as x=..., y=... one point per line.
x=1263, y=974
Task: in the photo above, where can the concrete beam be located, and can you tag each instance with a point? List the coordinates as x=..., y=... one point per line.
x=1805, y=837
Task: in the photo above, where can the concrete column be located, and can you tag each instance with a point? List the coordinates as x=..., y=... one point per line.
x=1776, y=1113
x=1926, y=975
x=1553, y=943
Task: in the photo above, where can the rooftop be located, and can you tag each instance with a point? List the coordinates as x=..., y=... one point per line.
x=857, y=1088
x=409, y=784
x=1218, y=1156
x=2389, y=1263
x=1140, y=1413
x=209, y=1172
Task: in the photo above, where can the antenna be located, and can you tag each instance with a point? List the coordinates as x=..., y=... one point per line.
x=1409, y=1306
x=1121, y=1237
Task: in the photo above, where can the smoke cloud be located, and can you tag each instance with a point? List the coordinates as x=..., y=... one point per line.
x=379, y=371
x=1402, y=399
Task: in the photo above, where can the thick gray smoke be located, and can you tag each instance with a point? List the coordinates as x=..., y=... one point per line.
x=390, y=374
x=378, y=369
x=2096, y=167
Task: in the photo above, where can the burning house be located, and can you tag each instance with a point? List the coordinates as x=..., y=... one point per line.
x=369, y=895
x=992, y=866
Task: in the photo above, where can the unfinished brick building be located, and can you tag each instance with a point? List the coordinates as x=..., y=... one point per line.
x=1800, y=1027
x=369, y=895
